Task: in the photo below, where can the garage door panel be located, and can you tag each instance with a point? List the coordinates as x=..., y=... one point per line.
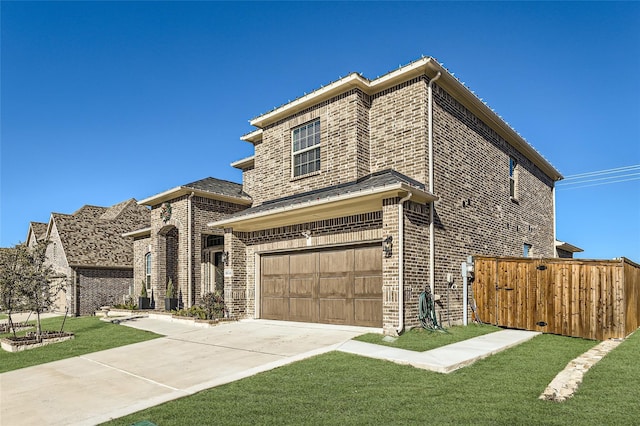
x=276, y=265
x=274, y=287
x=368, y=259
x=369, y=286
x=301, y=287
x=368, y=313
x=334, y=287
x=303, y=309
x=302, y=264
x=336, y=311
x=275, y=308
x=336, y=261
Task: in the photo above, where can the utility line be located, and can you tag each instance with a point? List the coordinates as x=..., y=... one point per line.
x=596, y=184
x=603, y=172
x=579, y=182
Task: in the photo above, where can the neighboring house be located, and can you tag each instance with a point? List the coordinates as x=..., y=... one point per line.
x=36, y=234
x=565, y=250
x=179, y=245
x=88, y=251
x=367, y=192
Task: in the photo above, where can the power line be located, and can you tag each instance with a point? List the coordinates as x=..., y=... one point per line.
x=603, y=172
x=579, y=182
x=596, y=184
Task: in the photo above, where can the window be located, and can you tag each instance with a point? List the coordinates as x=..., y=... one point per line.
x=513, y=178
x=306, y=148
x=526, y=250
x=213, y=241
x=147, y=262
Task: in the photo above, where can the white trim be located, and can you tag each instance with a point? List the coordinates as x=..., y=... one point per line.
x=314, y=203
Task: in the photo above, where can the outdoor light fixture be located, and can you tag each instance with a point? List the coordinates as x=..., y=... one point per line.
x=225, y=258
x=387, y=245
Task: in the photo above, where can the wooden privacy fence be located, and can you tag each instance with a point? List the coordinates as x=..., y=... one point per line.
x=593, y=299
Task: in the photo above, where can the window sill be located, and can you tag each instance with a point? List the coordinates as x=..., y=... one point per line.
x=514, y=200
x=293, y=179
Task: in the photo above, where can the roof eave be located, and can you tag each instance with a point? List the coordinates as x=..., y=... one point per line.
x=180, y=191
x=345, y=204
x=143, y=232
x=244, y=163
x=427, y=66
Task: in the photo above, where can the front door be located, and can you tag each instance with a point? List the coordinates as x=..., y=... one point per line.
x=212, y=271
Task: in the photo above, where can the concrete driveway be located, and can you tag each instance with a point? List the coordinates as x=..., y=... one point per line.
x=99, y=386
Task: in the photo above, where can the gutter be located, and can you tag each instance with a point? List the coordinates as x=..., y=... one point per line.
x=432, y=244
x=189, y=249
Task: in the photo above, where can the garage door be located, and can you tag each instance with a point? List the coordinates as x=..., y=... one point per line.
x=329, y=286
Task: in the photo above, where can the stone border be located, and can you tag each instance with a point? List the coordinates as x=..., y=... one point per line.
x=566, y=383
x=13, y=346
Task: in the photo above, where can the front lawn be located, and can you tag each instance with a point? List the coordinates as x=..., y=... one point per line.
x=91, y=335
x=420, y=340
x=339, y=388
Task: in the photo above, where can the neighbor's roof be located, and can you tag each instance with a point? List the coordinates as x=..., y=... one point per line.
x=568, y=247
x=38, y=229
x=424, y=66
x=360, y=196
x=92, y=236
x=211, y=188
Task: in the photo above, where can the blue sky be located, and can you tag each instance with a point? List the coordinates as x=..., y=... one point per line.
x=104, y=101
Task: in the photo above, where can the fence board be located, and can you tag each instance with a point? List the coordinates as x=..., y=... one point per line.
x=572, y=297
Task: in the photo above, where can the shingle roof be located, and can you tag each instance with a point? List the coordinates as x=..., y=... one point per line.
x=95, y=240
x=208, y=187
x=39, y=229
x=376, y=180
x=218, y=186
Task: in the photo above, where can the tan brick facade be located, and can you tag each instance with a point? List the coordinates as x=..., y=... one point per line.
x=364, y=133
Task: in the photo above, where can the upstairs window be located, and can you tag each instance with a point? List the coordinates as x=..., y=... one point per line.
x=513, y=178
x=306, y=149
x=526, y=250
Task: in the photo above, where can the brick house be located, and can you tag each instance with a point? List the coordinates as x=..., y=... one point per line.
x=359, y=196
x=366, y=192
x=178, y=244
x=89, y=252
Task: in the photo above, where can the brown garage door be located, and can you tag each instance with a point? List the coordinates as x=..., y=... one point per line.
x=329, y=286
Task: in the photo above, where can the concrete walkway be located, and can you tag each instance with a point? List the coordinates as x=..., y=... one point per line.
x=96, y=387
x=446, y=358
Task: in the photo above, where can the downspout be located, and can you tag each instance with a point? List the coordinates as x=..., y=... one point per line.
x=401, y=262
x=189, y=262
x=553, y=200
x=432, y=243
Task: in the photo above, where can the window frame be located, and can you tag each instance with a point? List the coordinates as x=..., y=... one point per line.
x=513, y=178
x=147, y=270
x=315, y=124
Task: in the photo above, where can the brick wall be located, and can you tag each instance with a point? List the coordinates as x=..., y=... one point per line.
x=475, y=214
x=343, y=149
x=98, y=287
x=398, y=129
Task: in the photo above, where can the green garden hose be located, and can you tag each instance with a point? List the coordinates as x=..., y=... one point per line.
x=427, y=312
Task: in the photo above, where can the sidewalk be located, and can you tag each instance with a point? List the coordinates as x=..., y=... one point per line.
x=446, y=358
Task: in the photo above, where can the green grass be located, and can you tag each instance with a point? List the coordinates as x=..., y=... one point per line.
x=420, y=340
x=91, y=335
x=3, y=316
x=339, y=388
